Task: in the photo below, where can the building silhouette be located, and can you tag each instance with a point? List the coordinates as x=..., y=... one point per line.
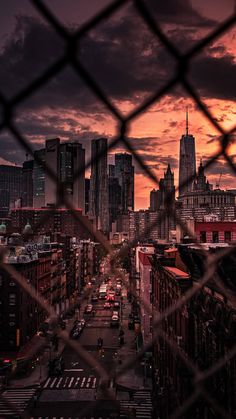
x=27, y=183
x=114, y=195
x=87, y=189
x=124, y=172
x=39, y=179
x=66, y=161
x=10, y=187
x=187, y=161
x=154, y=200
x=98, y=202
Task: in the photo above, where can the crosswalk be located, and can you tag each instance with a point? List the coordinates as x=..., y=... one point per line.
x=141, y=405
x=74, y=417
x=15, y=401
x=69, y=382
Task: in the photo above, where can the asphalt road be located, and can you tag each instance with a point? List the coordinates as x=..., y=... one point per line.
x=75, y=393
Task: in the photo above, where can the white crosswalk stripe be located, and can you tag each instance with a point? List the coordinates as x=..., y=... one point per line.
x=69, y=417
x=141, y=403
x=18, y=400
x=70, y=382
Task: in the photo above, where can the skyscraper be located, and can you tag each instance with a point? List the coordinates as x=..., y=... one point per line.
x=39, y=179
x=10, y=187
x=154, y=200
x=99, y=206
x=114, y=195
x=124, y=172
x=65, y=160
x=27, y=183
x=187, y=161
x=87, y=189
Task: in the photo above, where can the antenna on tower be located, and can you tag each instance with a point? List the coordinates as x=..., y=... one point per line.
x=186, y=120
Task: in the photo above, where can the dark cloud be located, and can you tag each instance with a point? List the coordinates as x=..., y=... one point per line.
x=214, y=77
x=127, y=61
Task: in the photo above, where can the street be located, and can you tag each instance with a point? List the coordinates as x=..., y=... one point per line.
x=76, y=392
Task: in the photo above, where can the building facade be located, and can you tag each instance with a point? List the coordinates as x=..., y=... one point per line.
x=50, y=221
x=187, y=161
x=10, y=187
x=124, y=172
x=99, y=195
x=27, y=183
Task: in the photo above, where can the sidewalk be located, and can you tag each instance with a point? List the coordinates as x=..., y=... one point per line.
x=40, y=372
x=132, y=379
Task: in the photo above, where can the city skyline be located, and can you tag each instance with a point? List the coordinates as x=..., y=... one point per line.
x=67, y=110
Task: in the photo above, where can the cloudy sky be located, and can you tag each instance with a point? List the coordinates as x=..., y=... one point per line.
x=129, y=64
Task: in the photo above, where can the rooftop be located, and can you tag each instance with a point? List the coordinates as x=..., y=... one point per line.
x=176, y=272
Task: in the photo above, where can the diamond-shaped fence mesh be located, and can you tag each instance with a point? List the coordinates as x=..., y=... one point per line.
x=70, y=57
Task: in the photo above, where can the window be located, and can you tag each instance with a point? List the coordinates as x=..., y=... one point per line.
x=202, y=236
x=215, y=237
x=12, y=299
x=227, y=235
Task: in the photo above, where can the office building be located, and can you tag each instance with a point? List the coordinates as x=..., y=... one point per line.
x=27, y=183
x=87, y=189
x=10, y=187
x=67, y=162
x=154, y=200
x=99, y=195
x=187, y=161
x=39, y=179
x=124, y=172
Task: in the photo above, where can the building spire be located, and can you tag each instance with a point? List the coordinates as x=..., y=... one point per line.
x=186, y=121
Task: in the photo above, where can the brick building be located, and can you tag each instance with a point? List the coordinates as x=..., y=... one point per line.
x=215, y=231
x=48, y=221
x=170, y=376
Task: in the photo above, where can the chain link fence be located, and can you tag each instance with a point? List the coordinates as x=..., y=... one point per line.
x=225, y=137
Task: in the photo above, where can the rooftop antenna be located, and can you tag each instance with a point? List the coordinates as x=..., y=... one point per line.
x=186, y=121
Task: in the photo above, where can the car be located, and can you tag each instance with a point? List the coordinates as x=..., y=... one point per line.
x=118, y=292
x=107, y=305
x=94, y=298
x=62, y=324
x=56, y=366
x=88, y=309
x=116, y=304
x=115, y=313
x=110, y=297
x=79, y=323
x=93, y=280
x=115, y=321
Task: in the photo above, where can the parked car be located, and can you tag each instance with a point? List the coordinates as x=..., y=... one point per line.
x=118, y=292
x=116, y=304
x=115, y=321
x=88, y=309
x=94, y=298
x=107, y=305
x=115, y=313
x=62, y=324
x=56, y=366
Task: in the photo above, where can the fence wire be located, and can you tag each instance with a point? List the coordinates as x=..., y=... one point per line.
x=70, y=57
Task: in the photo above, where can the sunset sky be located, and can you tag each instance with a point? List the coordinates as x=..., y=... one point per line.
x=129, y=64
